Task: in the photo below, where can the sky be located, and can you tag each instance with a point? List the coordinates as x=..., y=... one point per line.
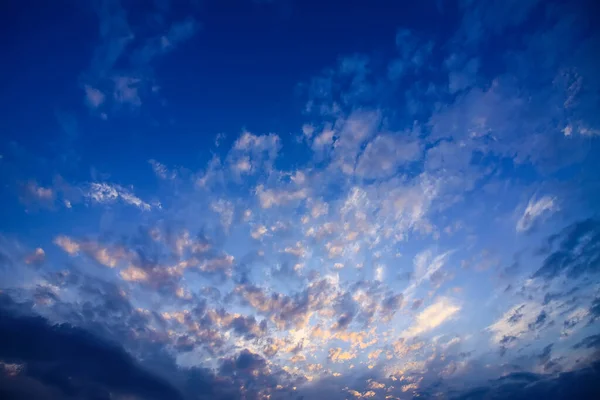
x=286, y=199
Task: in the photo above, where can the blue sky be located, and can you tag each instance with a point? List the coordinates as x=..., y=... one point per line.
x=295, y=199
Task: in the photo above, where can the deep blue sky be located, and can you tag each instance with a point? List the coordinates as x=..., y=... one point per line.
x=284, y=199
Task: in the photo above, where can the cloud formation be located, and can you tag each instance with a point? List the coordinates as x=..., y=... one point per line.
x=416, y=220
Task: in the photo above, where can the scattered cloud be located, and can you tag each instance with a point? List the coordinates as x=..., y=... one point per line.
x=106, y=193
x=536, y=211
x=359, y=250
x=433, y=316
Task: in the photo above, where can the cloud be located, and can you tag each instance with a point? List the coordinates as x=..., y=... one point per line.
x=37, y=257
x=270, y=197
x=577, y=252
x=252, y=154
x=517, y=323
x=290, y=266
x=577, y=384
x=390, y=305
x=536, y=211
x=87, y=364
x=161, y=170
x=464, y=78
x=106, y=193
x=385, y=154
x=106, y=256
x=120, y=72
x=68, y=245
x=32, y=193
x=94, y=97
x=337, y=355
x=426, y=266
x=126, y=91
x=589, y=342
x=259, y=232
x=433, y=316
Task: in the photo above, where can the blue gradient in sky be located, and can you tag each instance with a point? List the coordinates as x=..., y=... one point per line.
x=298, y=199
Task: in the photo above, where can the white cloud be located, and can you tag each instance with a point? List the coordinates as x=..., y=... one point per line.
x=338, y=355
x=426, y=264
x=259, y=232
x=379, y=273
x=126, y=90
x=94, y=97
x=515, y=323
x=67, y=244
x=37, y=257
x=318, y=209
x=298, y=250
x=536, y=210
x=225, y=210
x=433, y=316
x=251, y=153
x=249, y=141
x=308, y=130
x=324, y=139
x=134, y=274
x=242, y=165
x=105, y=193
x=161, y=170
x=385, y=154
x=130, y=198
x=271, y=197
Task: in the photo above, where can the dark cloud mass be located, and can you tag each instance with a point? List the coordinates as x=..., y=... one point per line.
x=69, y=362
x=581, y=384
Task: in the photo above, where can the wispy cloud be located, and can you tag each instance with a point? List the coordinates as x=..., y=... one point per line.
x=106, y=193
x=537, y=210
x=120, y=73
x=433, y=316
